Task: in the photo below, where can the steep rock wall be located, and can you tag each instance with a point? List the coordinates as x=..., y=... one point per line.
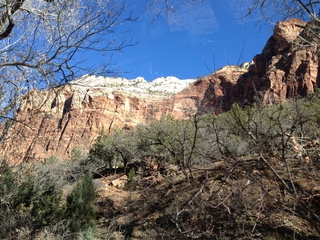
x=287, y=67
x=53, y=122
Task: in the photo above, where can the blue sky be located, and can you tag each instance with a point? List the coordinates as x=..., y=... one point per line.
x=191, y=41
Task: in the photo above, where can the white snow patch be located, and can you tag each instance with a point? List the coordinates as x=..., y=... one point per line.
x=160, y=87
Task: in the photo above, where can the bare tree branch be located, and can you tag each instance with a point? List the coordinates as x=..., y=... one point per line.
x=42, y=43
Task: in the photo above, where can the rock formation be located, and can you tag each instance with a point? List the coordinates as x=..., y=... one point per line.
x=287, y=67
x=53, y=122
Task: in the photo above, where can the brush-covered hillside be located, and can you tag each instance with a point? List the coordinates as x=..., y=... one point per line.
x=249, y=173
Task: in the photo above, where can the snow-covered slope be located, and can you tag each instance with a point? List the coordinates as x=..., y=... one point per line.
x=160, y=87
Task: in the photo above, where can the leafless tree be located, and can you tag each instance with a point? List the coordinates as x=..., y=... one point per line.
x=268, y=9
x=307, y=10
x=42, y=43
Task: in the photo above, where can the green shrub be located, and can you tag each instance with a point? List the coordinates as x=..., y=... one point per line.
x=77, y=154
x=47, y=207
x=80, y=208
x=6, y=178
x=102, y=149
x=28, y=200
x=170, y=141
x=133, y=178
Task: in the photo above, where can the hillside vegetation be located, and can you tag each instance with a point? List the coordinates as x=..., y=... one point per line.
x=249, y=173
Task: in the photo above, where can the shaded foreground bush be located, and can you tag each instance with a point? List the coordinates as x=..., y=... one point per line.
x=32, y=202
x=80, y=205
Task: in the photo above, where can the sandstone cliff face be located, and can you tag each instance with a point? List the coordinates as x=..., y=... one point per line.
x=287, y=67
x=53, y=122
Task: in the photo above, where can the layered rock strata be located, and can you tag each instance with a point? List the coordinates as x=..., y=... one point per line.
x=53, y=122
x=288, y=66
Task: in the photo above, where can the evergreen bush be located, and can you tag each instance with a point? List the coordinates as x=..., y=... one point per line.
x=80, y=209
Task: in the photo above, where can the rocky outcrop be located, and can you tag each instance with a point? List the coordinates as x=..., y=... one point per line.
x=287, y=67
x=53, y=122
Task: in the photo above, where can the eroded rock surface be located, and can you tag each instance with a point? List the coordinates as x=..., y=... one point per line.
x=287, y=67
x=53, y=122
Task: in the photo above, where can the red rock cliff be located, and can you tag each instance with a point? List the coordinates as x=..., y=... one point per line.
x=287, y=67
x=53, y=122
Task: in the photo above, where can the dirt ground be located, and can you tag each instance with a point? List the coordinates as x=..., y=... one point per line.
x=224, y=201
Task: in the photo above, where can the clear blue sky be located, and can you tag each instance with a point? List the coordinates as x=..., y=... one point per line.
x=191, y=41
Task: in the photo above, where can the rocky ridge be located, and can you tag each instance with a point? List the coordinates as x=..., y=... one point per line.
x=288, y=66
x=158, y=88
x=53, y=122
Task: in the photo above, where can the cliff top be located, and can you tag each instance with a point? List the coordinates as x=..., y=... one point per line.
x=158, y=88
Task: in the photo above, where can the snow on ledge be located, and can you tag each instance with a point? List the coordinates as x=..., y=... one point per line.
x=160, y=87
